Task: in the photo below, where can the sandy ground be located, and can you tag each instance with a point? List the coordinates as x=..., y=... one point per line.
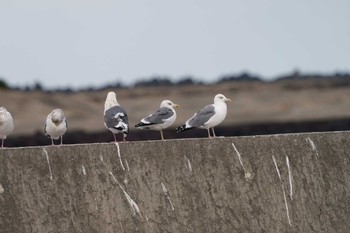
x=251, y=103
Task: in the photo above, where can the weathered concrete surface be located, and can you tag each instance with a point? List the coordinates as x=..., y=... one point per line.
x=192, y=185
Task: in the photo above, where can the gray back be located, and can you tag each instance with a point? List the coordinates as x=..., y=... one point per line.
x=116, y=117
x=160, y=115
x=202, y=116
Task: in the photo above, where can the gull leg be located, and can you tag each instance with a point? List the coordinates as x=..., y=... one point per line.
x=52, y=142
x=124, y=137
x=213, y=132
x=115, y=137
x=2, y=143
x=209, y=133
x=61, y=139
x=161, y=135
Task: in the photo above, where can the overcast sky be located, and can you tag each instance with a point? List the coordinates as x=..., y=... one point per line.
x=80, y=43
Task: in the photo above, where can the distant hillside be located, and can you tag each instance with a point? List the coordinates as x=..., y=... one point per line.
x=336, y=79
x=254, y=102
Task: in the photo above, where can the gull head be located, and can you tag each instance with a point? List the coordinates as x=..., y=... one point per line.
x=57, y=116
x=221, y=98
x=168, y=103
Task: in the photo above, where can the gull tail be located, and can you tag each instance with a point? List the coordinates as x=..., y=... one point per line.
x=121, y=126
x=181, y=128
x=142, y=125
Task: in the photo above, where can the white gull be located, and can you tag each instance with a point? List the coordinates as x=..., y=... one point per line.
x=208, y=117
x=55, y=125
x=6, y=124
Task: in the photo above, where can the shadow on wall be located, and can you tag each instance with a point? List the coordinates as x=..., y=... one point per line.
x=77, y=137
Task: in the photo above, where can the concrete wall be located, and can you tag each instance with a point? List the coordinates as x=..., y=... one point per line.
x=187, y=185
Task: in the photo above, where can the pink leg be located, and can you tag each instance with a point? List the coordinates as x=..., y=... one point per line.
x=213, y=132
x=209, y=133
x=115, y=137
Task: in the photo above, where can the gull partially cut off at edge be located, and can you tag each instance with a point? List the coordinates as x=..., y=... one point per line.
x=6, y=124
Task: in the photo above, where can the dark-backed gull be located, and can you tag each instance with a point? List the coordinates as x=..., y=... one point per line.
x=115, y=117
x=160, y=119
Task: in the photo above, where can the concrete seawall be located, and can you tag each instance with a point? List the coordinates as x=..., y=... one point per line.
x=279, y=183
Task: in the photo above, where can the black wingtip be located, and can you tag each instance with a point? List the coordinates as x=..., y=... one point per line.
x=140, y=124
x=180, y=128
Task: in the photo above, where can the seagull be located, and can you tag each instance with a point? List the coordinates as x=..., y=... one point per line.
x=208, y=117
x=6, y=124
x=161, y=118
x=55, y=125
x=115, y=117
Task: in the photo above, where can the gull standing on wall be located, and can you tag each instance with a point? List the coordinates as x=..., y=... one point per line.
x=160, y=119
x=6, y=124
x=208, y=117
x=56, y=125
x=115, y=117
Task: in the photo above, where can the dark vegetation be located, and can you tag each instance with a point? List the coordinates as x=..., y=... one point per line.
x=336, y=79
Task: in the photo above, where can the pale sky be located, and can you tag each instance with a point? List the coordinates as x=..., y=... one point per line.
x=79, y=43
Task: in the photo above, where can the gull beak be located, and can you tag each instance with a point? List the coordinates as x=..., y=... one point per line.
x=176, y=106
x=227, y=100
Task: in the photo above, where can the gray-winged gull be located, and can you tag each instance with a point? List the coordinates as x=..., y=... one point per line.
x=161, y=118
x=115, y=117
x=6, y=124
x=55, y=125
x=208, y=117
